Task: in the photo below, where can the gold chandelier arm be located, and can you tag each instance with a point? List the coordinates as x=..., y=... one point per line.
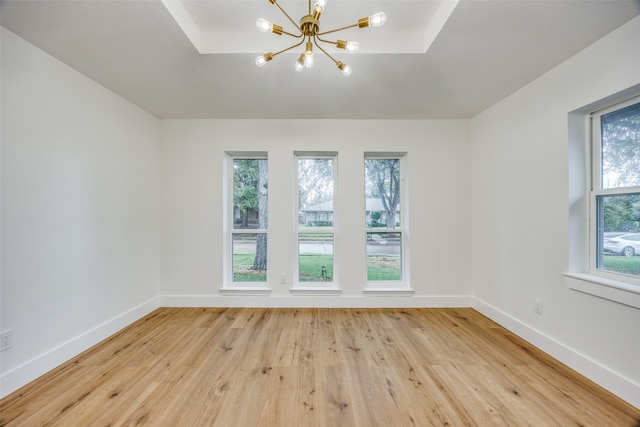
x=289, y=48
x=315, y=39
x=292, y=35
x=336, y=30
x=326, y=41
x=288, y=17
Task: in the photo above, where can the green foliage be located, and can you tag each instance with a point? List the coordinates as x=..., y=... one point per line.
x=621, y=212
x=245, y=184
x=383, y=182
x=621, y=145
x=375, y=219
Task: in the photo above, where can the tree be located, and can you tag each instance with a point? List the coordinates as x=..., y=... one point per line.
x=621, y=168
x=250, y=195
x=383, y=179
x=260, y=260
x=621, y=146
x=621, y=213
x=245, y=189
x=315, y=181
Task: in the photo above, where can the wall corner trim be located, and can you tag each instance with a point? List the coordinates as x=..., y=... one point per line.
x=623, y=387
x=23, y=374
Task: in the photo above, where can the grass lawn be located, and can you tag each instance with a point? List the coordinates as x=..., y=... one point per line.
x=379, y=267
x=383, y=267
x=313, y=267
x=242, y=269
x=622, y=264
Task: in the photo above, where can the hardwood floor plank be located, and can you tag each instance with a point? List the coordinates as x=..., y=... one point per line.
x=314, y=367
x=335, y=405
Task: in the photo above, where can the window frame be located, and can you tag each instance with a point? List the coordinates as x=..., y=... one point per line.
x=401, y=286
x=580, y=276
x=319, y=287
x=596, y=190
x=229, y=286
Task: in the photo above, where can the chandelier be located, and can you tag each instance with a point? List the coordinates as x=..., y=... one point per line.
x=309, y=29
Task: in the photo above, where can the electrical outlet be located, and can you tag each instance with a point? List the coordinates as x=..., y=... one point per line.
x=538, y=308
x=6, y=340
x=283, y=279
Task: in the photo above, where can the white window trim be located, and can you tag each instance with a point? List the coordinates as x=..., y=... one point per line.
x=316, y=288
x=583, y=165
x=229, y=287
x=610, y=289
x=396, y=287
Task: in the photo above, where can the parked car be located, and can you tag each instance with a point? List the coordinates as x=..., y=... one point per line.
x=624, y=244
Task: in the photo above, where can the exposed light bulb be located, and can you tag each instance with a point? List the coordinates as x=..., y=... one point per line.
x=319, y=6
x=300, y=63
x=346, y=70
x=263, y=59
x=260, y=60
x=377, y=19
x=263, y=25
x=308, y=59
x=308, y=55
x=352, y=47
x=348, y=46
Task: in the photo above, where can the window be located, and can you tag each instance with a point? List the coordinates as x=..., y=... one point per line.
x=383, y=218
x=315, y=227
x=248, y=177
x=616, y=189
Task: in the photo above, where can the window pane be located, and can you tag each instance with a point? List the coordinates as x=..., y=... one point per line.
x=619, y=233
x=315, y=257
x=621, y=147
x=315, y=193
x=250, y=194
x=249, y=257
x=384, y=257
x=382, y=191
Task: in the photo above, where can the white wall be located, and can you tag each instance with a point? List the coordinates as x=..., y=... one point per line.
x=520, y=202
x=192, y=153
x=80, y=249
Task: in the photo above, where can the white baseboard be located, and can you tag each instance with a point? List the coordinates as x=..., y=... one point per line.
x=305, y=301
x=621, y=386
x=23, y=374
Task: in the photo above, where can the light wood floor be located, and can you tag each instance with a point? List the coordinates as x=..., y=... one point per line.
x=314, y=367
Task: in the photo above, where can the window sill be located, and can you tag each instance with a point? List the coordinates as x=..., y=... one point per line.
x=613, y=290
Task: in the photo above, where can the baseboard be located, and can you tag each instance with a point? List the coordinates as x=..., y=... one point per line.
x=21, y=375
x=622, y=387
x=325, y=301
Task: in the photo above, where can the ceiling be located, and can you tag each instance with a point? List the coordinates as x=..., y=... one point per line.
x=222, y=26
x=432, y=59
